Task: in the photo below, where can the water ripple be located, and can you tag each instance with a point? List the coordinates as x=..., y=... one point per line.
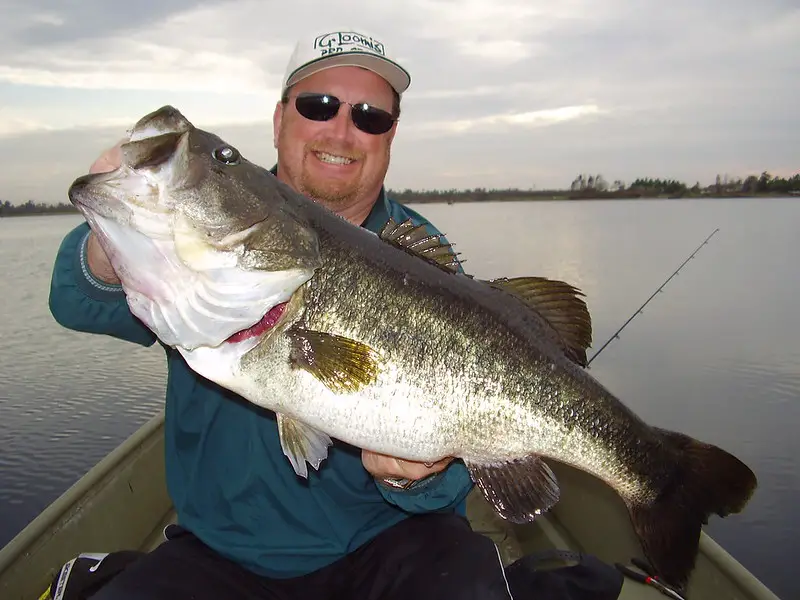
x=715, y=356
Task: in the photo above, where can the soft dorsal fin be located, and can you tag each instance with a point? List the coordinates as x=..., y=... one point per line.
x=416, y=240
x=560, y=305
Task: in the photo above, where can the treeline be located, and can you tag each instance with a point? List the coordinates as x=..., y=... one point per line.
x=409, y=196
x=763, y=184
x=596, y=186
x=34, y=208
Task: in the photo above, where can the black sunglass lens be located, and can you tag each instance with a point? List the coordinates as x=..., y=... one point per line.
x=323, y=107
x=372, y=120
x=317, y=107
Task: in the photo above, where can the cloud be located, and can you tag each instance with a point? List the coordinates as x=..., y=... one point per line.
x=519, y=93
x=46, y=18
x=11, y=126
x=536, y=118
x=151, y=67
x=158, y=56
x=41, y=24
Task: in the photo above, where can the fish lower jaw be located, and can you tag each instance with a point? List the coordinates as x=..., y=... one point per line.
x=221, y=364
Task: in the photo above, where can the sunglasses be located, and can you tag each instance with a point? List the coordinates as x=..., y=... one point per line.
x=323, y=107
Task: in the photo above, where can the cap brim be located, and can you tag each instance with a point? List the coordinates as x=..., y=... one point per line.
x=393, y=73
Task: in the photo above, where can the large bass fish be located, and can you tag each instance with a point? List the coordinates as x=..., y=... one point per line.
x=380, y=342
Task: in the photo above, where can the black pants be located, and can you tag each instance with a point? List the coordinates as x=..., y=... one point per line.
x=424, y=557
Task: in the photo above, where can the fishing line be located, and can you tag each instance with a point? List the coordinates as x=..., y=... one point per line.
x=661, y=287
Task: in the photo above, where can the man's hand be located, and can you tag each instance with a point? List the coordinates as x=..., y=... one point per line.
x=381, y=466
x=96, y=258
x=108, y=160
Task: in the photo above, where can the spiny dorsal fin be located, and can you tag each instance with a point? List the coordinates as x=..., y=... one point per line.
x=561, y=307
x=342, y=364
x=416, y=239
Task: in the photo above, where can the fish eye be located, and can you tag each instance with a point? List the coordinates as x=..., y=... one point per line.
x=227, y=155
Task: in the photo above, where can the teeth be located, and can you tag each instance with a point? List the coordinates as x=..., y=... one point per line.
x=333, y=159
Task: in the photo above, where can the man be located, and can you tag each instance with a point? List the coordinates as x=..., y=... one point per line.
x=364, y=526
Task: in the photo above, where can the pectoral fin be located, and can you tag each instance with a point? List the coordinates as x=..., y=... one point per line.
x=342, y=364
x=302, y=444
x=519, y=490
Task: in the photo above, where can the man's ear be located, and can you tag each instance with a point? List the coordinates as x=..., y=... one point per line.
x=277, y=118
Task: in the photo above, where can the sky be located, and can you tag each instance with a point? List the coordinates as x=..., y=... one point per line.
x=506, y=94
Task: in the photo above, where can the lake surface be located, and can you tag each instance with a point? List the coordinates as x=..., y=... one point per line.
x=716, y=355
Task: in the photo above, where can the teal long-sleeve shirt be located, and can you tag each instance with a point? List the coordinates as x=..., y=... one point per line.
x=227, y=476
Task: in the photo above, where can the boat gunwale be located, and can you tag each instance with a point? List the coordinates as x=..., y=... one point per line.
x=47, y=524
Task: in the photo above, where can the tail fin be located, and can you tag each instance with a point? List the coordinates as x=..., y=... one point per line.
x=707, y=481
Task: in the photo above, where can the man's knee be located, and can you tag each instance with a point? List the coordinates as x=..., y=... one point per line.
x=117, y=592
x=468, y=565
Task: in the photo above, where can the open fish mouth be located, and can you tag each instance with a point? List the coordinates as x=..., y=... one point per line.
x=195, y=270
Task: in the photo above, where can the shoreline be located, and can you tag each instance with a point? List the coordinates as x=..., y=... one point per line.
x=475, y=197
x=569, y=197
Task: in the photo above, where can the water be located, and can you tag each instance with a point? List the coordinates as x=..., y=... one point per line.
x=66, y=398
x=714, y=356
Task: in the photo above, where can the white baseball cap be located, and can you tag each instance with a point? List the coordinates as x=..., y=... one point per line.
x=344, y=48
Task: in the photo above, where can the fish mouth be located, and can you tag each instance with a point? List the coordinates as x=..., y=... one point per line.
x=200, y=275
x=152, y=141
x=92, y=191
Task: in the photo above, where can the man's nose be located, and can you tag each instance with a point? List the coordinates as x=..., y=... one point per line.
x=342, y=124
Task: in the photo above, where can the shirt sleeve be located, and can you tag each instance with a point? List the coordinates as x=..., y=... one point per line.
x=81, y=302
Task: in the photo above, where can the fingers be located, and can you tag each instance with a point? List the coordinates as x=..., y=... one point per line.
x=382, y=466
x=423, y=469
x=415, y=470
x=96, y=258
x=98, y=262
x=109, y=160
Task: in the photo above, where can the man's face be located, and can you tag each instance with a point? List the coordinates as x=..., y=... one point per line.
x=332, y=161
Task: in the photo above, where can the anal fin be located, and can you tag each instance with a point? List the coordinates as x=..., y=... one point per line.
x=519, y=490
x=302, y=444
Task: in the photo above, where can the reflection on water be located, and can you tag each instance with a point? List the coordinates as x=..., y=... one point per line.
x=66, y=398
x=715, y=355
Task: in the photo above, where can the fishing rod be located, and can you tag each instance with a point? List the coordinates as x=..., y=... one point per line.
x=661, y=287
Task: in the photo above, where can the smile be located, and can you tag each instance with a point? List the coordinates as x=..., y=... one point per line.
x=332, y=159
